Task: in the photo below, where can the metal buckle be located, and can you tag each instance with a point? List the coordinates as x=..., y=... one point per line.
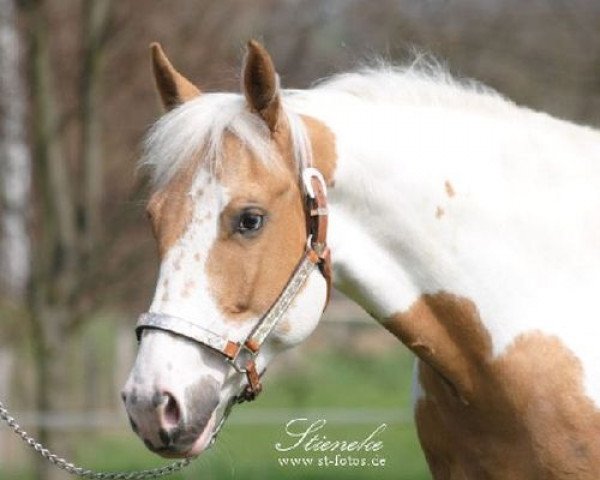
x=241, y=359
x=318, y=248
x=308, y=174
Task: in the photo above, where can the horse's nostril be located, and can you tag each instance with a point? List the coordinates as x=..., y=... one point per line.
x=124, y=397
x=171, y=411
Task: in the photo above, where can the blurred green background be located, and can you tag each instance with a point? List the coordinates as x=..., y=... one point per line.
x=77, y=260
x=354, y=390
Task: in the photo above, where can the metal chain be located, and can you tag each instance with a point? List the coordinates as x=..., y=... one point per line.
x=84, y=472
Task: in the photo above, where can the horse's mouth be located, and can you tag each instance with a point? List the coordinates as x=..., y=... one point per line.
x=204, y=440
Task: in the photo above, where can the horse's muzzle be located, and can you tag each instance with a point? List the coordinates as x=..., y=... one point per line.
x=173, y=425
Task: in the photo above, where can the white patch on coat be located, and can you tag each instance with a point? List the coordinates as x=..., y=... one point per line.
x=519, y=237
x=165, y=361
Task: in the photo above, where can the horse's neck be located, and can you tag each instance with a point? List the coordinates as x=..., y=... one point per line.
x=474, y=203
x=400, y=196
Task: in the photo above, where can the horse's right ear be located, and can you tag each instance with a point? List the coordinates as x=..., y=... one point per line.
x=173, y=88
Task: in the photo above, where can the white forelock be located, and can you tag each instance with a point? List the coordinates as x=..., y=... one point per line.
x=198, y=127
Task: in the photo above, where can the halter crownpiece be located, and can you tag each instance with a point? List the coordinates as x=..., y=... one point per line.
x=242, y=355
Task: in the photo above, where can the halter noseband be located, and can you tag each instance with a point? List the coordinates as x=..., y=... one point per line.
x=242, y=355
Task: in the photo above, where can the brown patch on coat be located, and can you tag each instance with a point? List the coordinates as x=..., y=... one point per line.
x=439, y=212
x=246, y=275
x=449, y=189
x=522, y=415
x=170, y=209
x=284, y=327
x=322, y=140
x=444, y=331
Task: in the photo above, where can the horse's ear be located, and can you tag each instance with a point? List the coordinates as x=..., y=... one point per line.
x=173, y=88
x=260, y=84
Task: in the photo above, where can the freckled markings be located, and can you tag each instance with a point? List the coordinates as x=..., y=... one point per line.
x=449, y=189
x=188, y=288
x=177, y=263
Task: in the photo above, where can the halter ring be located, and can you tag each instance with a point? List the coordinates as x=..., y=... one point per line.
x=307, y=175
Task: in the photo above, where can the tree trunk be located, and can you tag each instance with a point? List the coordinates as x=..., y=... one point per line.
x=15, y=186
x=15, y=162
x=95, y=21
x=57, y=262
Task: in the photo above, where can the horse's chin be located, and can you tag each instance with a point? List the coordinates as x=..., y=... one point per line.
x=203, y=440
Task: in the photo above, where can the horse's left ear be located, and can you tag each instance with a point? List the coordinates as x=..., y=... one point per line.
x=260, y=83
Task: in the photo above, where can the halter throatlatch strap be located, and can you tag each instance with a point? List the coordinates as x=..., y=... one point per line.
x=242, y=355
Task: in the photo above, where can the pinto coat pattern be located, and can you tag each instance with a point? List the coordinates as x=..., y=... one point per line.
x=467, y=225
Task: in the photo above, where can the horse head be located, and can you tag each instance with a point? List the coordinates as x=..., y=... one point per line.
x=229, y=215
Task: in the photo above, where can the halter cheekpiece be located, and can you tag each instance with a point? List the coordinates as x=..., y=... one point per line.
x=242, y=355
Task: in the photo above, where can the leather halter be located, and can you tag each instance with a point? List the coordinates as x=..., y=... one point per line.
x=242, y=355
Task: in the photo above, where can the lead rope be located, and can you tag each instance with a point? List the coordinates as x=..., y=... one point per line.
x=85, y=472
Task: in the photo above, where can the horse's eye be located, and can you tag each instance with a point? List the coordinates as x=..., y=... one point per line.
x=250, y=222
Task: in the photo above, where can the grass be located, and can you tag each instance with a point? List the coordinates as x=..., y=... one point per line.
x=328, y=382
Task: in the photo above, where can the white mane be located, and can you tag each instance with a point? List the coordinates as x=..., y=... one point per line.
x=424, y=82
x=198, y=127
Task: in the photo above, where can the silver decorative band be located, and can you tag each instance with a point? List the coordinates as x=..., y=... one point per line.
x=181, y=327
x=283, y=303
x=203, y=336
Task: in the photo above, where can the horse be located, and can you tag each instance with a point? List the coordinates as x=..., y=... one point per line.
x=465, y=224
